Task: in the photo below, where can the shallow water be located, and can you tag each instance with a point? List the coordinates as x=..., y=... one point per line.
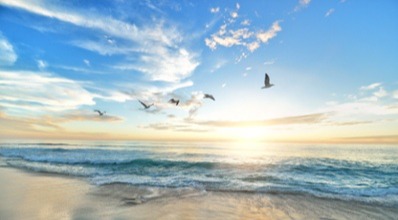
x=364, y=173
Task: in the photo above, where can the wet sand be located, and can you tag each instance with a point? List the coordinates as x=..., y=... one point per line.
x=42, y=196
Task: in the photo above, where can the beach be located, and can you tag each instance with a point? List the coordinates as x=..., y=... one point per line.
x=47, y=196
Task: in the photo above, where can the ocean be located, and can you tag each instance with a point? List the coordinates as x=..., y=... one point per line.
x=362, y=173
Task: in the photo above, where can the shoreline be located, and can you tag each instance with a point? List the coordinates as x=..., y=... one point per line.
x=52, y=196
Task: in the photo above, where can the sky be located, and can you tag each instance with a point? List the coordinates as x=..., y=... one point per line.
x=333, y=63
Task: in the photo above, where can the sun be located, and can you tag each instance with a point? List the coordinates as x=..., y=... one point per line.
x=247, y=133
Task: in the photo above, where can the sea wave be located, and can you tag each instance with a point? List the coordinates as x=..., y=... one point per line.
x=335, y=178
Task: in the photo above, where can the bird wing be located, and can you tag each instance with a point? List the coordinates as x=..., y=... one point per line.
x=266, y=81
x=143, y=104
x=96, y=110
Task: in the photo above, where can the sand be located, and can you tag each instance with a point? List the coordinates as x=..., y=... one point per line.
x=42, y=196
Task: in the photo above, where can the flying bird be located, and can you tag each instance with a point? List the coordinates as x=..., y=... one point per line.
x=208, y=96
x=99, y=112
x=174, y=101
x=266, y=82
x=145, y=105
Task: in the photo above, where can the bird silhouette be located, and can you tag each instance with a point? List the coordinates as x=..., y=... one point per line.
x=99, y=112
x=174, y=101
x=145, y=105
x=208, y=96
x=267, y=83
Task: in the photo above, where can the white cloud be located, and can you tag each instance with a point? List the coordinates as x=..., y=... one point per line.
x=41, y=64
x=243, y=37
x=87, y=62
x=265, y=36
x=107, y=25
x=365, y=105
x=223, y=85
x=253, y=46
x=104, y=48
x=302, y=4
x=218, y=65
x=237, y=6
x=395, y=94
x=42, y=91
x=215, y=10
x=329, y=12
x=371, y=86
x=158, y=94
x=193, y=104
x=38, y=91
x=245, y=22
x=234, y=14
x=380, y=93
x=164, y=65
x=7, y=53
x=270, y=62
x=157, y=45
x=78, y=69
x=211, y=43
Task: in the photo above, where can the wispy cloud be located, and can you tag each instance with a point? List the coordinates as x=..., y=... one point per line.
x=265, y=36
x=178, y=127
x=242, y=37
x=193, y=104
x=49, y=126
x=103, y=47
x=164, y=65
x=291, y=120
x=43, y=91
x=7, y=53
x=215, y=10
x=79, y=69
x=86, y=116
x=395, y=94
x=329, y=12
x=270, y=62
x=245, y=22
x=41, y=64
x=234, y=14
x=370, y=139
x=218, y=65
x=157, y=45
x=371, y=86
x=372, y=100
x=302, y=4
x=380, y=93
x=87, y=62
x=349, y=123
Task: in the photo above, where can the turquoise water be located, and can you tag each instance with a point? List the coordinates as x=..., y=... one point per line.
x=364, y=173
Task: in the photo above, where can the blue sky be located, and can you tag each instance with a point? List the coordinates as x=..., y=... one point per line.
x=333, y=64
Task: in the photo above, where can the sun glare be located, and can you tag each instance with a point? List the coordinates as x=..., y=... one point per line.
x=248, y=133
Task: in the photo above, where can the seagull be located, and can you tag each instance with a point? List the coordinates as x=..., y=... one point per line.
x=208, y=96
x=145, y=105
x=174, y=101
x=266, y=82
x=99, y=112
